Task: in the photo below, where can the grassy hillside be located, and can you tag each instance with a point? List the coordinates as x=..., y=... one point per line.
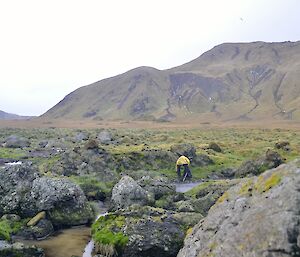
x=232, y=81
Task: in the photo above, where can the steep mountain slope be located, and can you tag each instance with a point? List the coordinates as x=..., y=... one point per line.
x=10, y=116
x=231, y=81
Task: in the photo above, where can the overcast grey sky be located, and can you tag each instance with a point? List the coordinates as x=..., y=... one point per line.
x=48, y=48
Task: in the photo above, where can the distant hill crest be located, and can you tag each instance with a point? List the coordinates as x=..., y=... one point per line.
x=232, y=81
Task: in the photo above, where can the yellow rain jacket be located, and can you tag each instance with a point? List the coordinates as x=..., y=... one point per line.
x=183, y=160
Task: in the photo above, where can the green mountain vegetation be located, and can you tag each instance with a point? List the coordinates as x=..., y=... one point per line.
x=232, y=81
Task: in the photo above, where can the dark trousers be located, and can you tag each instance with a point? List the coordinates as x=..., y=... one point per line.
x=186, y=171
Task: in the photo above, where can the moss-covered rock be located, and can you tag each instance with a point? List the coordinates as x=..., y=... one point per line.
x=25, y=192
x=142, y=231
x=255, y=167
x=257, y=217
x=9, y=227
x=204, y=196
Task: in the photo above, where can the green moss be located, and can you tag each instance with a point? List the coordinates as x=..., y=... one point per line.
x=8, y=228
x=13, y=153
x=91, y=186
x=107, y=231
x=164, y=202
x=5, y=230
x=45, y=164
x=194, y=191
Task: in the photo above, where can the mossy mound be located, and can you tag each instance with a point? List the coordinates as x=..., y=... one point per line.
x=142, y=231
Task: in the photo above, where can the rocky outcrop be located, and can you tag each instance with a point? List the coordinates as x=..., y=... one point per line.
x=271, y=160
x=24, y=192
x=284, y=145
x=104, y=137
x=204, y=196
x=41, y=230
x=19, y=249
x=259, y=217
x=142, y=231
x=187, y=150
x=128, y=192
x=215, y=147
x=15, y=141
x=158, y=186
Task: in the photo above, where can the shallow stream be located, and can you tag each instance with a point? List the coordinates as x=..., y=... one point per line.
x=77, y=240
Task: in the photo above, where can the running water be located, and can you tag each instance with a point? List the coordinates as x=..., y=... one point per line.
x=88, y=250
x=69, y=242
x=184, y=187
x=13, y=163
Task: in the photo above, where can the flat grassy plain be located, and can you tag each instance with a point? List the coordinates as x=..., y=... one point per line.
x=239, y=141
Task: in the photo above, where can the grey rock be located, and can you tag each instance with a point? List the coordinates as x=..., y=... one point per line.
x=11, y=217
x=259, y=217
x=41, y=230
x=81, y=136
x=187, y=150
x=24, y=192
x=159, y=186
x=128, y=192
x=215, y=147
x=201, y=160
x=104, y=137
x=19, y=249
x=151, y=231
x=15, y=141
x=271, y=160
x=284, y=145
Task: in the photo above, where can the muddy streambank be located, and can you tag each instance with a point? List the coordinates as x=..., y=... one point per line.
x=77, y=241
x=65, y=243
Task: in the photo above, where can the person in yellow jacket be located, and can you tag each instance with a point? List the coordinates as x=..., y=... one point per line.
x=185, y=162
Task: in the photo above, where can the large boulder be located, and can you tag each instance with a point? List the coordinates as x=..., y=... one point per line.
x=158, y=186
x=204, y=196
x=128, y=192
x=142, y=231
x=187, y=150
x=104, y=137
x=270, y=160
x=81, y=136
x=15, y=141
x=259, y=217
x=24, y=192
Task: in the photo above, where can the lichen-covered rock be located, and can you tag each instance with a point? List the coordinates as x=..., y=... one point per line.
x=259, y=217
x=19, y=249
x=128, y=192
x=24, y=192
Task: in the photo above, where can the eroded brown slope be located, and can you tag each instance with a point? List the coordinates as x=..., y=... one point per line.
x=233, y=81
